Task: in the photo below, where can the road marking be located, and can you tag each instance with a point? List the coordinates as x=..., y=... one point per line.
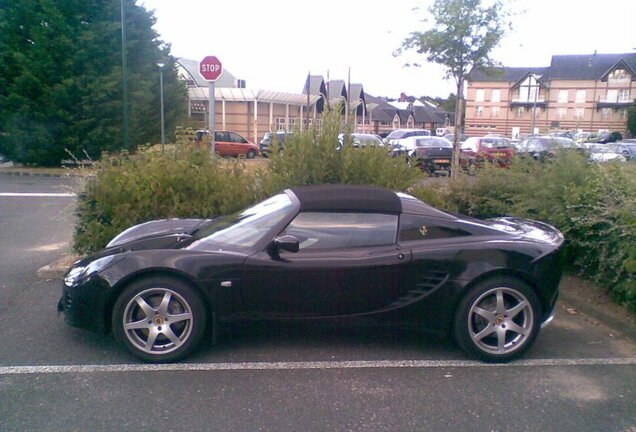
x=38, y=195
x=248, y=366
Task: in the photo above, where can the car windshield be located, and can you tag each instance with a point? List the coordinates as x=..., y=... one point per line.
x=491, y=143
x=243, y=230
x=397, y=134
x=433, y=142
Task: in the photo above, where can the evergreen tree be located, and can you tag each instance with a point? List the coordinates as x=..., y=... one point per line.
x=61, y=79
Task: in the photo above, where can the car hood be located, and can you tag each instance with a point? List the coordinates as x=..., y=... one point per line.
x=155, y=230
x=527, y=229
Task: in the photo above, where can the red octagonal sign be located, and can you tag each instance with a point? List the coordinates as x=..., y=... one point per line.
x=211, y=68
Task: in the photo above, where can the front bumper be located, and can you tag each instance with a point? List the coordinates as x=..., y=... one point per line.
x=87, y=305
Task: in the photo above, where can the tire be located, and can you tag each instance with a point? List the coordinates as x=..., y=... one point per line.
x=251, y=154
x=177, y=326
x=498, y=319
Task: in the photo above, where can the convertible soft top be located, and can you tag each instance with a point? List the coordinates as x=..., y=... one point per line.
x=347, y=198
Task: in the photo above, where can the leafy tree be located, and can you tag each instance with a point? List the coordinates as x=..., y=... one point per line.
x=631, y=119
x=462, y=37
x=61, y=79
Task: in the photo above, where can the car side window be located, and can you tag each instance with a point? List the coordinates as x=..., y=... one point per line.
x=415, y=227
x=221, y=136
x=234, y=137
x=323, y=230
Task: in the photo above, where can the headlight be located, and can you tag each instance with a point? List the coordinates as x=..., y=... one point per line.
x=80, y=272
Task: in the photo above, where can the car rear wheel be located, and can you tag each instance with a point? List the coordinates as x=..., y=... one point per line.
x=498, y=319
x=251, y=154
x=159, y=320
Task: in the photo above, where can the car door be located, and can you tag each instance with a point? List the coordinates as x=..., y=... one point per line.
x=348, y=263
x=222, y=143
x=239, y=145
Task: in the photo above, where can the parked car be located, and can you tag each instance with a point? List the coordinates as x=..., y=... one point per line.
x=229, y=143
x=475, y=151
x=433, y=154
x=360, y=140
x=268, y=139
x=451, y=137
x=609, y=137
x=547, y=147
x=627, y=148
x=398, y=137
x=316, y=253
x=607, y=153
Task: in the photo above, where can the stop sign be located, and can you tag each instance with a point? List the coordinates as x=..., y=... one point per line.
x=210, y=68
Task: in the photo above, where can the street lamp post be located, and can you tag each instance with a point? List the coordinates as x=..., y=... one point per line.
x=163, y=133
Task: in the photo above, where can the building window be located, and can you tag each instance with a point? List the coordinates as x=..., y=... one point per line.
x=612, y=96
x=410, y=123
x=624, y=114
x=561, y=113
x=480, y=95
x=520, y=112
x=606, y=113
x=494, y=112
x=496, y=95
x=619, y=75
x=479, y=111
x=563, y=96
x=580, y=96
x=579, y=113
x=623, y=96
x=396, y=122
x=281, y=124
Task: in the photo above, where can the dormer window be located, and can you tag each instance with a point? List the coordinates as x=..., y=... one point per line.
x=619, y=75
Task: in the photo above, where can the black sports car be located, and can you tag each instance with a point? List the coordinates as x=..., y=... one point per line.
x=316, y=253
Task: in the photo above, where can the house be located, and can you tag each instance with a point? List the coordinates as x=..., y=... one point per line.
x=576, y=92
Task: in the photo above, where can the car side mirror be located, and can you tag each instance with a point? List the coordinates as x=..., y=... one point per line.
x=287, y=243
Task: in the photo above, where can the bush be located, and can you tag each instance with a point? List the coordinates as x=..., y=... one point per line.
x=153, y=185
x=316, y=158
x=593, y=205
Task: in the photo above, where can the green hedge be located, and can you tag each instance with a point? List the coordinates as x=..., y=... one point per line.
x=155, y=185
x=594, y=205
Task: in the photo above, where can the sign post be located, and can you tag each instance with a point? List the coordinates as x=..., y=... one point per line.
x=211, y=69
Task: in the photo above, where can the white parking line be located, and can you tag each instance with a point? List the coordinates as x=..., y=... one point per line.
x=38, y=195
x=248, y=366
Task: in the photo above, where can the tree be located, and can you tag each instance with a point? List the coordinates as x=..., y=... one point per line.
x=631, y=119
x=461, y=39
x=61, y=79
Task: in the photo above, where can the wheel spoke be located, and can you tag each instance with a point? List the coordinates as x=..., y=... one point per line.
x=163, y=307
x=170, y=335
x=152, y=337
x=148, y=310
x=501, y=340
x=137, y=325
x=178, y=318
x=501, y=307
x=517, y=329
x=515, y=310
x=485, y=332
x=489, y=316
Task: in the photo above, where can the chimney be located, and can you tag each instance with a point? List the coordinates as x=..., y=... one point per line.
x=402, y=97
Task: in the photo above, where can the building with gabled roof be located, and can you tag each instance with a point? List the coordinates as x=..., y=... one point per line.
x=590, y=92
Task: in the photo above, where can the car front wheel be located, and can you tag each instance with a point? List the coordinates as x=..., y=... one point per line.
x=498, y=319
x=251, y=154
x=159, y=320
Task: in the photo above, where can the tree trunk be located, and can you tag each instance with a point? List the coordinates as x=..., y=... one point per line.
x=458, y=127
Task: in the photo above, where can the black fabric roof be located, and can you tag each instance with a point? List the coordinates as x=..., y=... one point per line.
x=347, y=198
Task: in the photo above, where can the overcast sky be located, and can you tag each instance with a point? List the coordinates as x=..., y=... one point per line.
x=272, y=44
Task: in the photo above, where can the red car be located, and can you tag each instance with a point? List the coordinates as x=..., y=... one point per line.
x=474, y=151
x=229, y=143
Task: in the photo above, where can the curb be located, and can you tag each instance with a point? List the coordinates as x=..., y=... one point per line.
x=34, y=174
x=580, y=296
x=56, y=269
